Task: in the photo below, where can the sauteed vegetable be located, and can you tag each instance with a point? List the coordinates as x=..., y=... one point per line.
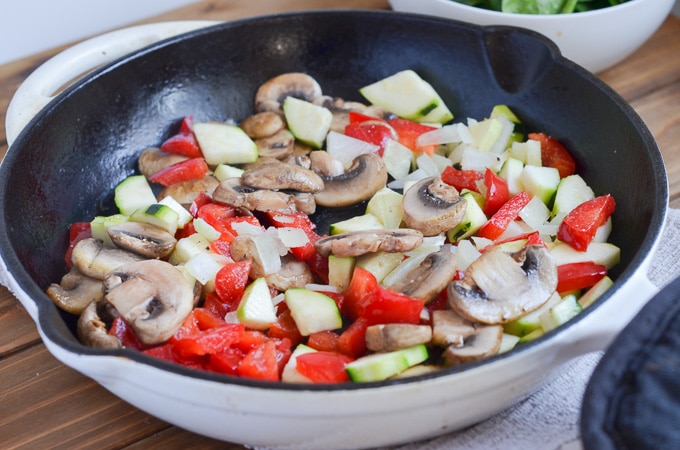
x=464, y=240
x=541, y=6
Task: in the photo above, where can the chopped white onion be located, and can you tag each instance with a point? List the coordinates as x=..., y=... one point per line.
x=246, y=229
x=448, y=134
x=428, y=166
x=321, y=288
x=466, y=254
x=345, y=148
x=293, y=237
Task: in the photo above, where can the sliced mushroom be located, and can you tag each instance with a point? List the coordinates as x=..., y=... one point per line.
x=270, y=95
x=95, y=260
x=278, y=146
x=304, y=202
x=395, y=336
x=485, y=342
x=187, y=191
x=464, y=340
x=430, y=277
x=282, y=176
x=154, y=297
x=153, y=160
x=432, y=206
x=293, y=274
x=324, y=164
x=144, y=239
x=298, y=160
x=233, y=192
x=366, y=176
x=499, y=287
x=92, y=331
x=75, y=291
x=355, y=243
x=262, y=125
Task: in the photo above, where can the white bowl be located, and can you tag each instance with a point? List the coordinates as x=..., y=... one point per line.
x=595, y=39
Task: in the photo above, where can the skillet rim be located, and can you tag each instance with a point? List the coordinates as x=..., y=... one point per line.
x=50, y=321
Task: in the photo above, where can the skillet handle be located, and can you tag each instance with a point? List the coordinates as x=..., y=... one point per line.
x=63, y=69
x=597, y=331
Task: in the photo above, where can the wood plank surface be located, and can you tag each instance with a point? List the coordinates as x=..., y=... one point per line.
x=45, y=404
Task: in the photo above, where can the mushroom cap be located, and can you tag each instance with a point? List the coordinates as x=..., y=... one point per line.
x=75, y=291
x=92, y=331
x=355, y=243
x=279, y=145
x=187, y=191
x=152, y=160
x=366, y=176
x=430, y=277
x=153, y=296
x=95, y=260
x=396, y=336
x=484, y=342
x=499, y=287
x=277, y=175
x=262, y=125
x=432, y=206
x=234, y=192
x=144, y=239
x=271, y=94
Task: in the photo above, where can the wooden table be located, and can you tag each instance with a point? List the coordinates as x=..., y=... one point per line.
x=46, y=404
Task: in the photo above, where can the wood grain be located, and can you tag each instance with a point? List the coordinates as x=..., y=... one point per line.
x=44, y=404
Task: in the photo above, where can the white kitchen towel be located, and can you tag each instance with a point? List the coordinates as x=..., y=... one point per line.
x=549, y=419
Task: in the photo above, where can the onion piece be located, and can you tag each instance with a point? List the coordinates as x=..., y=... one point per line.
x=345, y=148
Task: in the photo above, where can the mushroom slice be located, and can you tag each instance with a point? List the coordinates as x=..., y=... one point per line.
x=293, y=274
x=270, y=95
x=324, y=164
x=484, y=342
x=430, y=277
x=187, y=191
x=92, y=331
x=355, y=243
x=233, y=192
x=279, y=145
x=432, y=206
x=366, y=176
x=464, y=340
x=75, y=291
x=304, y=202
x=395, y=336
x=298, y=160
x=282, y=176
x=499, y=287
x=95, y=260
x=154, y=297
x=262, y=125
x=153, y=160
x=142, y=238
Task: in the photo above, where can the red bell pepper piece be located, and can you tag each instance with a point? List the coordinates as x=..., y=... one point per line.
x=352, y=341
x=126, y=335
x=365, y=298
x=77, y=232
x=209, y=341
x=532, y=238
x=324, y=341
x=215, y=305
x=357, y=117
x=324, y=366
x=462, y=179
x=231, y=280
x=579, y=275
x=201, y=200
x=184, y=142
x=579, y=226
x=409, y=131
x=190, y=169
x=226, y=361
x=285, y=327
x=497, y=193
x=504, y=216
x=216, y=215
x=374, y=132
x=554, y=154
x=207, y=320
x=261, y=363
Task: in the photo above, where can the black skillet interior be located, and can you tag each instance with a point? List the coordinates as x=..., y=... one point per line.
x=64, y=166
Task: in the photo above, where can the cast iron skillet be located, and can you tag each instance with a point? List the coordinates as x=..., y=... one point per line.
x=63, y=167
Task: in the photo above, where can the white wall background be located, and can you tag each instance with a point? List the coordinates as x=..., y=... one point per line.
x=30, y=26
